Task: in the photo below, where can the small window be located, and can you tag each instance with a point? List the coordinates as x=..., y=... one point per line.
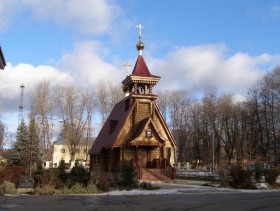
x=62, y=150
x=113, y=125
x=149, y=134
x=77, y=150
x=85, y=150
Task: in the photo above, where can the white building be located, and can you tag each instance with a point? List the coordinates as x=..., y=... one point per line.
x=61, y=151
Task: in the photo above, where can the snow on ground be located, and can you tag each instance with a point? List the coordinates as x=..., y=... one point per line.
x=189, y=189
x=143, y=192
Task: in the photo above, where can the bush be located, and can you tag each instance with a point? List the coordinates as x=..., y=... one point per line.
x=92, y=188
x=12, y=174
x=78, y=174
x=8, y=188
x=147, y=186
x=37, y=174
x=258, y=172
x=48, y=177
x=102, y=182
x=79, y=189
x=61, y=174
x=129, y=180
x=45, y=190
x=241, y=178
x=271, y=175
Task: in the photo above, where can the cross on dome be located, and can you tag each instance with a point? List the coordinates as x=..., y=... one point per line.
x=140, y=31
x=140, y=46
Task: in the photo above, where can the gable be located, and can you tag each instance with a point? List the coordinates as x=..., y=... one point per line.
x=151, y=120
x=147, y=135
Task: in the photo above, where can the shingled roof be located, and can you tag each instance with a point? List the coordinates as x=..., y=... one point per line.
x=105, y=138
x=141, y=68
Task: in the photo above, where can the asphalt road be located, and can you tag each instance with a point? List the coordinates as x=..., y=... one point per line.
x=194, y=200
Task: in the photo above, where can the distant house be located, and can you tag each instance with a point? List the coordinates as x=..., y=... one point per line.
x=2, y=60
x=61, y=151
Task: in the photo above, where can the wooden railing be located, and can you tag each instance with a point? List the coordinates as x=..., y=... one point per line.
x=165, y=167
x=170, y=171
x=137, y=168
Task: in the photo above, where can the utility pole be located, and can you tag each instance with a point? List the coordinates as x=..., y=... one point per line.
x=213, y=155
x=88, y=135
x=20, y=108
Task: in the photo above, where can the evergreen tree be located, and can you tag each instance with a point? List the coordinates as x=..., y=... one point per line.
x=20, y=154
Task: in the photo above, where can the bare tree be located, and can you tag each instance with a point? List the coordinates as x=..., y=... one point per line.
x=41, y=110
x=74, y=107
x=162, y=103
x=107, y=96
x=2, y=133
x=179, y=106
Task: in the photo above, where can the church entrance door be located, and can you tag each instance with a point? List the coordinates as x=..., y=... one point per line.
x=143, y=157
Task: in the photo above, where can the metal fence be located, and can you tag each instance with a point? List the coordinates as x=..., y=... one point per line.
x=198, y=174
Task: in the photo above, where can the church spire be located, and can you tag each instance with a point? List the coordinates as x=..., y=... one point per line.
x=140, y=46
x=140, y=81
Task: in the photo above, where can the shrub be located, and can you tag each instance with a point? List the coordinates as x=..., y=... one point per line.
x=241, y=178
x=79, y=189
x=45, y=190
x=102, y=182
x=128, y=176
x=37, y=174
x=48, y=177
x=12, y=174
x=271, y=175
x=224, y=178
x=147, y=186
x=61, y=174
x=78, y=174
x=258, y=172
x=92, y=188
x=7, y=188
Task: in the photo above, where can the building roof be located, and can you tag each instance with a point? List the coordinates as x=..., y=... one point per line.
x=83, y=141
x=141, y=68
x=2, y=60
x=106, y=138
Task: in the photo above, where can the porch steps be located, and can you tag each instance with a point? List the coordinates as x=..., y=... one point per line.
x=149, y=174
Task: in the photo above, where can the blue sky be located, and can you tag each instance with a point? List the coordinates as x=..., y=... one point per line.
x=191, y=44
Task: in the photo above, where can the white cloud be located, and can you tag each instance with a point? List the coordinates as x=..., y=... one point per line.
x=86, y=63
x=198, y=67
x=88, y=16
x=8, y=9
x=13, y=76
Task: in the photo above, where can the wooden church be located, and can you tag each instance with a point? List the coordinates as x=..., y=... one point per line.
x=136, y=131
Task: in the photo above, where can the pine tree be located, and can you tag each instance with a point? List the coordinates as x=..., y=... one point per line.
x=20, y=154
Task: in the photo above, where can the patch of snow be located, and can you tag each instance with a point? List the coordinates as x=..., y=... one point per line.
x=142, y=192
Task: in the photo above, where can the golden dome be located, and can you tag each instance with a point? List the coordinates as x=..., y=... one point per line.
x=140, y=46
